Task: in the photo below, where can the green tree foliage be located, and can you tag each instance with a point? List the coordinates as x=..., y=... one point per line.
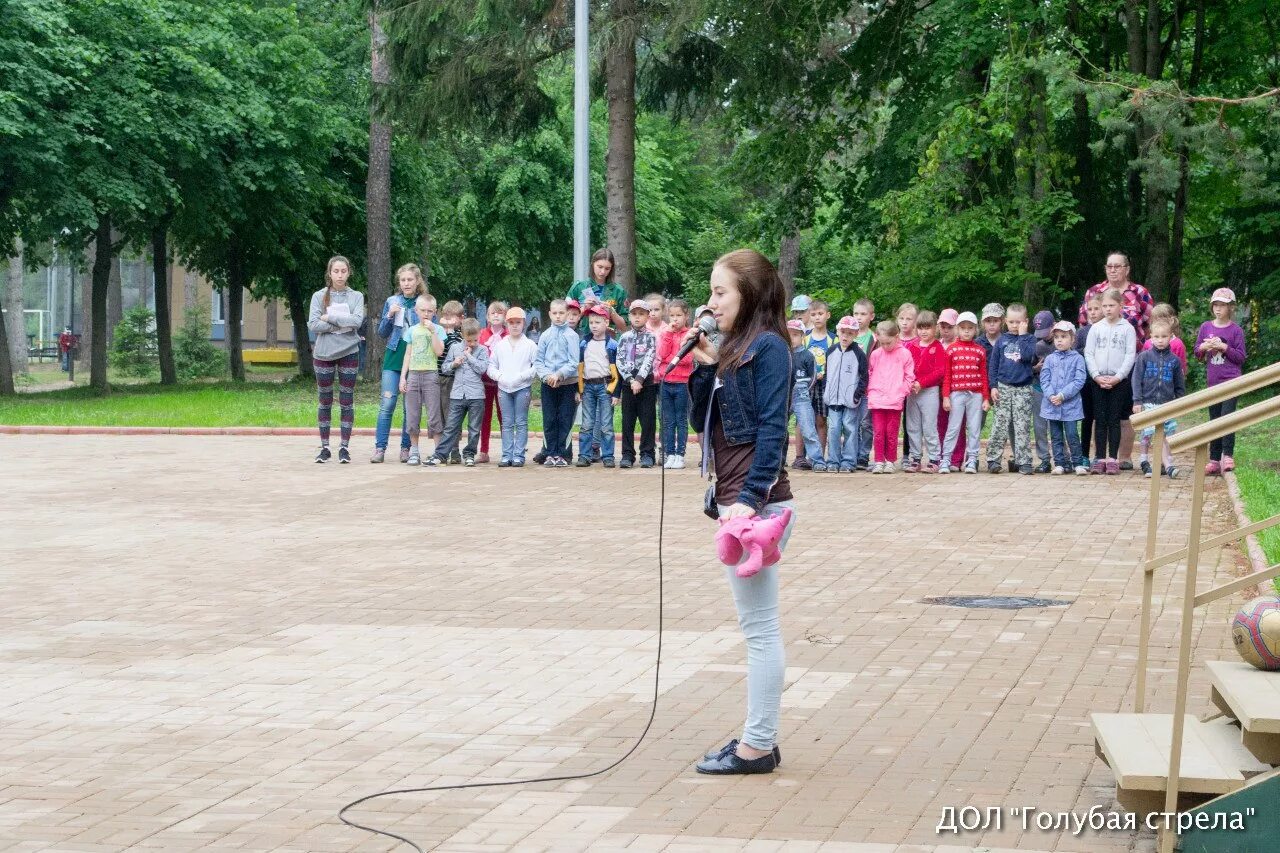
x=194, y=355
x=133, y=347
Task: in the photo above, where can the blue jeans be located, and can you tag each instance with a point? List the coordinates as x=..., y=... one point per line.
x=1066, y=443
x=866, y=434
x=807, y=425
x=515, y=423
x=387, y=410
x=756, y=599
x=557, y=417
x=845, y=421
x=675, y=418
x=597, y=420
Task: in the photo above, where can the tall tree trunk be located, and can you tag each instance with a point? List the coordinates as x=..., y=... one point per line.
x=103, y=255
x=377, y=197
x=1176, y=247
x=85, y=331
x=164, y=319
x=296, y=298
x=1034, y=130
x=273, y=331
x=15, y=320
x=6, y=367
x=237, y=283
x=115, y=298
x=620, y=160
x=1083, y=251
x=789, y=262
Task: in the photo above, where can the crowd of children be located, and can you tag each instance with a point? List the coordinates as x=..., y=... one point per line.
x=931, y=381
x=925, y=381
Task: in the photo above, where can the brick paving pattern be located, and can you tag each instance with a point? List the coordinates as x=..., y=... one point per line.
x=213, y=644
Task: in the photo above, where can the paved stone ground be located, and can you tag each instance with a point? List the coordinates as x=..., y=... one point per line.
x=212, y=644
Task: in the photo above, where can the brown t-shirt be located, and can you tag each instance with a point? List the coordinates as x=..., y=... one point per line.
x=733, y=461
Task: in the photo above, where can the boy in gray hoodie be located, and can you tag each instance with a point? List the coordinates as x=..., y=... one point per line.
x=468, y=362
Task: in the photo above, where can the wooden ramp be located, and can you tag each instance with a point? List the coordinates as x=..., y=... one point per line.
x=1251, y=697
x=1136, y=748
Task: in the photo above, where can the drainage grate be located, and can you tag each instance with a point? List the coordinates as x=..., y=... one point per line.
x=995, y=602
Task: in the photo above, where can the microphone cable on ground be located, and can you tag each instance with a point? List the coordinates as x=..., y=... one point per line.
x=653, y=710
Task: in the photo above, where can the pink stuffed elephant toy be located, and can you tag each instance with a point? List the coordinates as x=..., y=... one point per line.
x=756, y=537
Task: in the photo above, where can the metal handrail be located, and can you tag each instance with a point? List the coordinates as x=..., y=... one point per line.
x=1197, y=437
x=1225, y=425
x=1202, y=399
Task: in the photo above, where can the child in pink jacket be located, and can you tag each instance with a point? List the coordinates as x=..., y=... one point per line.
x=892, y=374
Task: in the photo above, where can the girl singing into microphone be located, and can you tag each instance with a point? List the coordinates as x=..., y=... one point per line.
x=742, y=405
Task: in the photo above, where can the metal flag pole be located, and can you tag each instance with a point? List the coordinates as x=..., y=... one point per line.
x=581, y=144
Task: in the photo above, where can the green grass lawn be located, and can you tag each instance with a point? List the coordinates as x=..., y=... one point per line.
x=1258, y=473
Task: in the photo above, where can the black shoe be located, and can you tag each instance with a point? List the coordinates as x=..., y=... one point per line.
x=505, y=463
x=1026, y=469
x=583, y=462
x=626, y=463
x=732, y=764
x=344, y=456
x=1126, y=465
x=519, y=463
x=646, y=461
x=608, y=463
x=1044, y=468
x=802, y=465
x=733, y=744
x=540, y=457
x=1146, y=467
x=595, y=456
x=455, y=458
x=324, y=455
x=994, y=468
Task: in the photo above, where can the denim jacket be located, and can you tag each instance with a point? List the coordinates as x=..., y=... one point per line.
x=755, y=405
x=387, y=327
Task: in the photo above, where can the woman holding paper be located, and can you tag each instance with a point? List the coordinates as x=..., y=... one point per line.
x=337, y=313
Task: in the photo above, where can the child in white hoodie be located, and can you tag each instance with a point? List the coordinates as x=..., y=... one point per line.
x=1109, y=354
x=511, y=366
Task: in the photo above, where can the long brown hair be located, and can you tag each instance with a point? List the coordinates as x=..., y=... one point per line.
x=603, y=255
x=761, y=307
x=328, y=281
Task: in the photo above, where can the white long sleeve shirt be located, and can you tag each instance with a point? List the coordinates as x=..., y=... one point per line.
x=511, y=365
x=1110, y=349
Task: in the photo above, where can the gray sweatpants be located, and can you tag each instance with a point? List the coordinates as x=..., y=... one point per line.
x=966, y=409
x=422, y=388
x=922, y=424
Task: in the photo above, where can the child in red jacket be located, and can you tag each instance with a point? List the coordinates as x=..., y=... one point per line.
x=929, y=359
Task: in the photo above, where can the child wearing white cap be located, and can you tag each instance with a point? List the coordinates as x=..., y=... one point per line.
x=1220, y=345
x=848, y=375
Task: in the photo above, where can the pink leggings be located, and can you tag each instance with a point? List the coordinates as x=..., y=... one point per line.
x=884, y=423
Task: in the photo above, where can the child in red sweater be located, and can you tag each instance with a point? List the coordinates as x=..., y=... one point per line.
x=674, y=395
x=965, y=393
x=929, y=359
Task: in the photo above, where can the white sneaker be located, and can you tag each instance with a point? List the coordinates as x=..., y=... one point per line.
x=877, y=468
x=1058, y=470
x=944, y=469
x=677, y=461
x=669, y=462
x=413, y=459
x=1082, y=471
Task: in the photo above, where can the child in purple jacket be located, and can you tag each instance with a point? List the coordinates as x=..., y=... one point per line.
x=1220, y=344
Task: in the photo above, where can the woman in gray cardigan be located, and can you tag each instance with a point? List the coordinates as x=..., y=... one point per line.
x=337, y=312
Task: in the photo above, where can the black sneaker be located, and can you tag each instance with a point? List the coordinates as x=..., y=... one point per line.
x=540, y=457
x=455, y=458
x=1146, y=468
x=1126, y=465
x=324, y=455
x=802, y=465
x=625, y=463
x=344, y=456
x=608, y=463
x=994, y=468
x=1044, y=468
x=646, y=461
x=583, y=462
x=1026, y=469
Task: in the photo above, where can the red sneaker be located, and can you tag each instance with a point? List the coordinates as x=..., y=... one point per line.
x=1213, y=468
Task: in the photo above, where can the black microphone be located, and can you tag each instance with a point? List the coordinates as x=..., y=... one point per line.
x=705, y=326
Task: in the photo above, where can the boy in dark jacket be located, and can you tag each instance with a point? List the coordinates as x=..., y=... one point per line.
x=1157, y=378
x=804, y=368
x=1009, y=375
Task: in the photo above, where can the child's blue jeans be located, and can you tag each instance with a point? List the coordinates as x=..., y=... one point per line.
x=807, y=425
x=1066, y=443
x=597, y=420
x=844, y=435
x=675, y=418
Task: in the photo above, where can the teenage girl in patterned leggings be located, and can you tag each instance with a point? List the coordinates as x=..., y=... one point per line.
x=337, y=313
